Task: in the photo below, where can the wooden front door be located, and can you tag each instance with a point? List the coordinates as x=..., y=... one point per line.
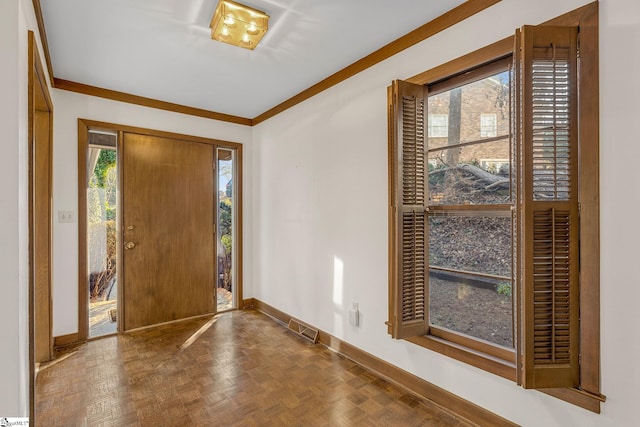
x=168, y=230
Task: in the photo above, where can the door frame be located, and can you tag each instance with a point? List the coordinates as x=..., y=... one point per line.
x=39, y=102
x=84, y=125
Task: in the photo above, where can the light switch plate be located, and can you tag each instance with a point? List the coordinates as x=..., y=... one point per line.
x=66, y=216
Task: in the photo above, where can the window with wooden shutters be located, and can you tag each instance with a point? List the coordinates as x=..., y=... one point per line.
x=550, y=207
x=454, y=238
x=549, y=214
x=408, y=210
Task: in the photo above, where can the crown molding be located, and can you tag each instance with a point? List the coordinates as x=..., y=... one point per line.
x=441, y=23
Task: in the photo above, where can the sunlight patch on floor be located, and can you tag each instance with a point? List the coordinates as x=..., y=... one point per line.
x=198, y=333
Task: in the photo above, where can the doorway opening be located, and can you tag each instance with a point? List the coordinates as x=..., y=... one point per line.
x=102, y=219
x=226, y=234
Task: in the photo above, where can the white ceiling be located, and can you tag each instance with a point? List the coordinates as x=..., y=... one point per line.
x=162, y=49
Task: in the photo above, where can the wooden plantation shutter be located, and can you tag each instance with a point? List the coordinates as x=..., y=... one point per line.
x=548, y=146
x=407, y=211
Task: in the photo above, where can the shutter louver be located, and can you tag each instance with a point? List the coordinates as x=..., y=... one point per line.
x=551, y=123
x=551, y=286
x=413, y=266
x=549, y=200
x=412, y=151
x=408, y=224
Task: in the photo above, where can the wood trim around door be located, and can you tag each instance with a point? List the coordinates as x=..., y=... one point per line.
x=83, y=128
x=83, y=293
x=40, y=137
x=239, y=252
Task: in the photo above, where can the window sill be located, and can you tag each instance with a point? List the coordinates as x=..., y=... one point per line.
x=505, y=369
x=486, y=362
x=581, y=398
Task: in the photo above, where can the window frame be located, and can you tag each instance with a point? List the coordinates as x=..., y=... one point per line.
x=503, y=210
x=587, y=395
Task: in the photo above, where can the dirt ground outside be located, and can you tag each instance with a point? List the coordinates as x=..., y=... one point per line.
x=472, y=310
x=481, y=308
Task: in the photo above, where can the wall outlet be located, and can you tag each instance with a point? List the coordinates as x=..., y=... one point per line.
x=354, y=314
x=66, y=216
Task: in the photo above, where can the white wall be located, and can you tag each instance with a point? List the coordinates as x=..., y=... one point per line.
x=320, y=213
x=10, y=280
x=69, y=107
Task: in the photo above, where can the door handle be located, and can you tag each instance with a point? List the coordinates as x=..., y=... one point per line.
x=130, y=245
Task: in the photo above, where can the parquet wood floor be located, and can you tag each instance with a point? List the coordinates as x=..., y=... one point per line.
x=237, y=369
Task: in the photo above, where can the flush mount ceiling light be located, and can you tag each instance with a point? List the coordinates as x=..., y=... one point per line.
x=238, y=25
